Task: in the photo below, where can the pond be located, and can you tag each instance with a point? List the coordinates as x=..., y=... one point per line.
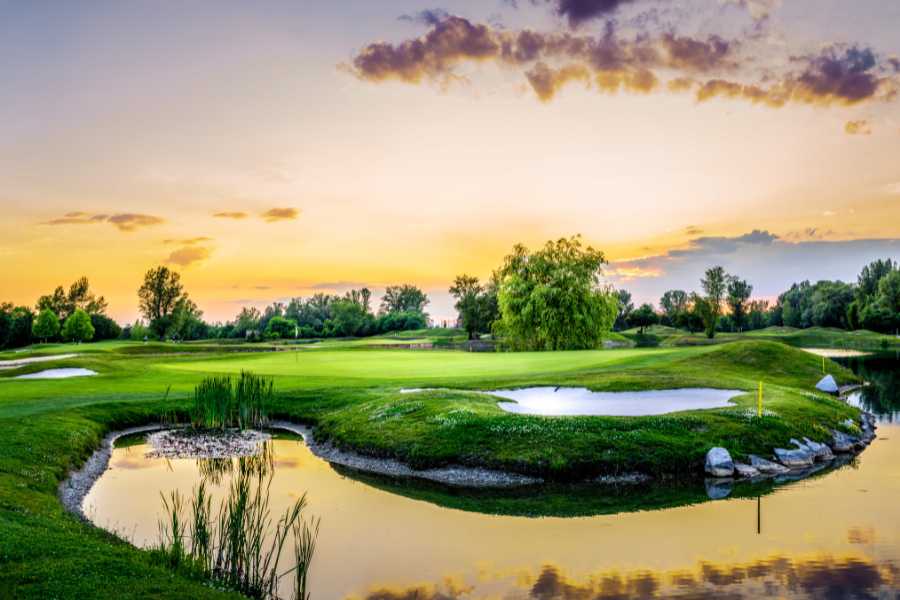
x=832, y=535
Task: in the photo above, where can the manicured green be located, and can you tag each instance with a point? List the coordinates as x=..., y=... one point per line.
x=49, y=427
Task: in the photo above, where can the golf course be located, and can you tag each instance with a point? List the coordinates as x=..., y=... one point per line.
x=351, y=397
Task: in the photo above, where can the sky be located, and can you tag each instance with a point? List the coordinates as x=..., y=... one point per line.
x=280, y=148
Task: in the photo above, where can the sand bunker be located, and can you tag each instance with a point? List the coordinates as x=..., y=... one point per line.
x=58, y=374
x=581, y=401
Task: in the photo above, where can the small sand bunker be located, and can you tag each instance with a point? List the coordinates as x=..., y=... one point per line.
x=581, y=401
x=58, y=374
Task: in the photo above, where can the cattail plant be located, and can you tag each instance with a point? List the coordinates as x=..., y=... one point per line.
x=219, y=404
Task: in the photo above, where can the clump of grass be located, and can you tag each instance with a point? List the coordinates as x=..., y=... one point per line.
x=219, y=403
x=234, y=548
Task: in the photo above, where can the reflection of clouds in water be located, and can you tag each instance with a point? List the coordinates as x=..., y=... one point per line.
x=134, y=461
x=800, y=576
x=861, y=535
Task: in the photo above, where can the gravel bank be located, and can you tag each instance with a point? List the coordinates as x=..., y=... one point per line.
x=73, y=491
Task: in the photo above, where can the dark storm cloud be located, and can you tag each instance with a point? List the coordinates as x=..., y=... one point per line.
x=578, y=12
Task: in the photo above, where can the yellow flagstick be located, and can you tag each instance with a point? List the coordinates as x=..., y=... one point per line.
x=823, y=365
x=760, y=399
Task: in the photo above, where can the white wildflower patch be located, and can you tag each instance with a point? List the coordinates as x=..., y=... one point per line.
x=394, y=410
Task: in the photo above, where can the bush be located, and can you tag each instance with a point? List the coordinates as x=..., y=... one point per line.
x=104, y=328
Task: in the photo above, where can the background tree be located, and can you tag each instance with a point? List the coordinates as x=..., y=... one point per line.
x=159, y=297
x=15, y=325
x=78, y=327
x=247, y=320
x=46, y=325
x=625, y=307
x=673, y=302
x=78, y=296
x=645, y=316
x=138, y=331
x=403, y=298
x=283, y=328
x=714, y=286
x=552, y=299
x=187, y=317
x=690, y=318
x=104, y=328
x=348, y=316
x=467, y=292
x=738, y=292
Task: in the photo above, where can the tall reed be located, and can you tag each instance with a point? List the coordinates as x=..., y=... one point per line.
x=232, y=548
x=219, y=404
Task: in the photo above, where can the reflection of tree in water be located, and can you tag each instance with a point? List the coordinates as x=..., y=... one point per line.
x=813, y=575
x=882, y=396
x=215, y=470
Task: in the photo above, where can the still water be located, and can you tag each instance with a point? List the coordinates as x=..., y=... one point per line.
x=834, y=535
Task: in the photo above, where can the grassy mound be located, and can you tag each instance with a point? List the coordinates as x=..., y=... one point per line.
x=437, y=428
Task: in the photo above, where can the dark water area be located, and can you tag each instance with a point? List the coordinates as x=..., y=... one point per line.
x=833, y=535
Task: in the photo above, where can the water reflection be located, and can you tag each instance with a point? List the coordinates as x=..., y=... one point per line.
x=882, y=396
x=818, y=575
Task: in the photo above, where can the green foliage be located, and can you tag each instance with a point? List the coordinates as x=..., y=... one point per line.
x=46, y=325
x=283, y=328
x=645, y=316
x=104, y=328
x=714, y=285
x=138, y=331
x=159, y=298
x=476, y=304
x=625, y=307
x=403, y=298
x=15, y=325
x=78, y=327
x=738, y=292
x=78, y=296
x=218, y=403
x=552, y=299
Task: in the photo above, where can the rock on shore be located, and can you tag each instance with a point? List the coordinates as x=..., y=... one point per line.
x=719, y=463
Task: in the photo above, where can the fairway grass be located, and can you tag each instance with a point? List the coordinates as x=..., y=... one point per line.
x=49, y=427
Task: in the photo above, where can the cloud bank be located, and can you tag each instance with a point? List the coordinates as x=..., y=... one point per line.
x=127, y=222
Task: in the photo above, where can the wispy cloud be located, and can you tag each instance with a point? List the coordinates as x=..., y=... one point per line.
x=280, y=214
x=126, y=222
x=231, y=215
x=862, y=127
x=190, y=242
x=189, y=256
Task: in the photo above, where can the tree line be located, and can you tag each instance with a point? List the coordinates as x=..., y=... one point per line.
x=724, y=304
x=169, y=312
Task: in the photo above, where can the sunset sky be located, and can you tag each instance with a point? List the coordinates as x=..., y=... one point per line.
x=277, y=148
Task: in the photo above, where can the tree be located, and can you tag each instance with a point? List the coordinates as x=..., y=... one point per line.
x=738, y=294
x=689, y=319
x=104, y=328
x=187, y=316
x=672, y=302
x=283, y=328
x=552, y=299
x=888, y=297
x=645, y=316
x=247, y=320
x=625, y=307
x=714, y=286
x=361, y=297
x=138, y=331
x=159, y=297
x=347, y=316
x=78, y=327
x=468, y=292
x=403, y=298
x=15, y=325
x=870, y=276
x=79, y=296
x=46, y=325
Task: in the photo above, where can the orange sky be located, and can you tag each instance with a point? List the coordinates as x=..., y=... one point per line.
x=143, y=123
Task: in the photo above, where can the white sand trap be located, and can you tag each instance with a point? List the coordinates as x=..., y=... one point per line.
x=15, y=364
x=57, y=374
x=581, y=401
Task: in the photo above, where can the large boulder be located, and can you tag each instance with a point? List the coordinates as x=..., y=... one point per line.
x=794, y=459
x=766, y=466
x=719, y=463
x=842, y=442
x=827, y=385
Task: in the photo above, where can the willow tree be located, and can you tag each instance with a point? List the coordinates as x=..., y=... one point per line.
x=552, y=299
